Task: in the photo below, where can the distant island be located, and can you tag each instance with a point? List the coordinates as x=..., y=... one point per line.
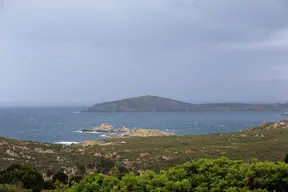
x=160, y=104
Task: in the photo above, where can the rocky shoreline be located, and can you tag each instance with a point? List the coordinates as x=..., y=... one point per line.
x=139, y=153
x=125, y=131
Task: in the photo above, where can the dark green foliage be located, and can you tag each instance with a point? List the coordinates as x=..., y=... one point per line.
x=49, y=172
x=122, y=169
x=61, y=177
x=75, y=179
x=11, y=188
x=104, y=165
x=286, y=158
x=98, y=164
x=202, y=175
x=48, y=185
x=81, y=168
x=23, y=176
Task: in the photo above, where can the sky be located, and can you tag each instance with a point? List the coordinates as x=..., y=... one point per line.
x=73, y=52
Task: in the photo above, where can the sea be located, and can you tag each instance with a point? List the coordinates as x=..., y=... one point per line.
x=63, y=124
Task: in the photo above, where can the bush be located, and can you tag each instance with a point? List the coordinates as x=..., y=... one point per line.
x=286, y=158
x=219, y=175
x=26, y=176
x=75, y=179
x=203, y=175
x=48, y=185
x=49, y=172
x=11, y=188
x=104, y=165
x=61, y=177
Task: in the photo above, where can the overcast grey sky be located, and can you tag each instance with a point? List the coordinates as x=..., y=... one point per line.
x=84, y=52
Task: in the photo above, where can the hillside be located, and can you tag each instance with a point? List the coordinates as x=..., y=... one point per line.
x=161, y=104
x=267, y=142
x=147, y=163
x=142, y=104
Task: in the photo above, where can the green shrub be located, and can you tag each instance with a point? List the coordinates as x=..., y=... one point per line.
x=48, y=185
x=61, y=177
x=7, y=188
x=104, y=165
x=11, y=188
x=203, y=175
x=49, y=172
x=75, y=179
x=219, y=175
x=286, y=158
x=24, y=175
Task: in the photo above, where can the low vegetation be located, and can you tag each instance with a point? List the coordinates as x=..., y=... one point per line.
x=141, y=153
x=148, y=163
x=200, y=175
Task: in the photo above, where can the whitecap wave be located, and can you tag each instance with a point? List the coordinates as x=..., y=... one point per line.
x=66, y=142
x=95, y=132
x=170, y=130
x=78, y=131
x=89, y=132
x=76, y=112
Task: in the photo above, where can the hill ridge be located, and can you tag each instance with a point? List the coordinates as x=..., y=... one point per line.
x=150, y=103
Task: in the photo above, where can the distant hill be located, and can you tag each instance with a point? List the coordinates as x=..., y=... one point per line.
x=161, y=104
x=142, y=104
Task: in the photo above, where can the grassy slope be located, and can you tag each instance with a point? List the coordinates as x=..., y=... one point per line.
x=154, y=152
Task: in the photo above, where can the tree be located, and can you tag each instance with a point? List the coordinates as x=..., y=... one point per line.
x=104, y=165
x=202, y=175
x=61, y=177
x=11, y=188
x=286, y=158
x=48, y=185
x=26, y=176
x=75, y=179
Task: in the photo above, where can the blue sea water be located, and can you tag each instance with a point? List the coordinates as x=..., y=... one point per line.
x=62, y=125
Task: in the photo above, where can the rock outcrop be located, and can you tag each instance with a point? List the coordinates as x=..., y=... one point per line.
x=138, y=132
x=104, y=127
x=280, y=124
x=123, y=129
x=269, y=126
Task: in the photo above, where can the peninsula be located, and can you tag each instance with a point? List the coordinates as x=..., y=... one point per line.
x=160, y=104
